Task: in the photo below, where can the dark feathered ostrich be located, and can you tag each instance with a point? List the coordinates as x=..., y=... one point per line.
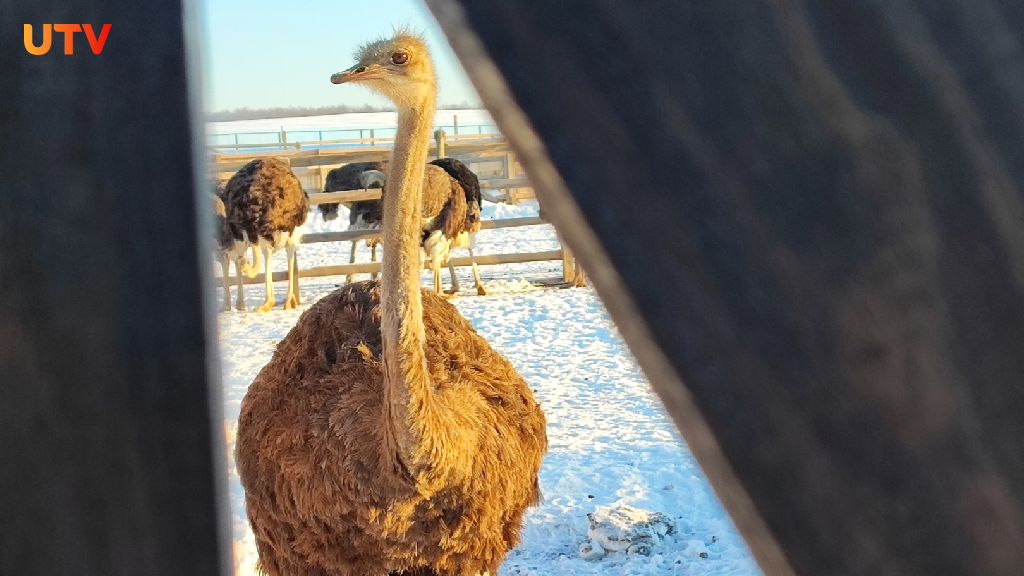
x=385, y=436
x=266, y=202
x=451, y=216
x=231, y=247
x=346, y=178
x=471, y=186
x=362, y=214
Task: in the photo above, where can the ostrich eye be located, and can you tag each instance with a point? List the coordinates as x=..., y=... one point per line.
x=399, y=58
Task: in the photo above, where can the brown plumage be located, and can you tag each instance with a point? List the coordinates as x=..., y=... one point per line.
x=385, y=436
x=267, y=204
x=470, y=184
x=321, y=478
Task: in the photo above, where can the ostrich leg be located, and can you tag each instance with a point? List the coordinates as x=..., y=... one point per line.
x=373, y=254
x=240, y=297
x=292, y=298
x=579, y=279
x=225, y=267
x=480, y=290
x=252, y=268
x=437, y=276
x=268, y=282
x=455, y=280
x=352, y=260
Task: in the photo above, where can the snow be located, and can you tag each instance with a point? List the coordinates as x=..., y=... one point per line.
x=624, y=528
x=611, y=443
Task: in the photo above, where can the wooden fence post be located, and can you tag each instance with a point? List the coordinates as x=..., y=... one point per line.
x=439, y=136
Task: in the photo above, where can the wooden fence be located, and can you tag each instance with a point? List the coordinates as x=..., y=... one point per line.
x=315, y=198
x=486, y=154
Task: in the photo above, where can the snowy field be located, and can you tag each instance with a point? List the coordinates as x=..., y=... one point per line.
x=611, y=443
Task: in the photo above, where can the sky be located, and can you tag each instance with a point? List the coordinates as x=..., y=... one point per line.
x=267, y=53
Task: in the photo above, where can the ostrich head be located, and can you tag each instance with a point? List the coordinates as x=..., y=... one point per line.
x=372, y=179
x=398, y=68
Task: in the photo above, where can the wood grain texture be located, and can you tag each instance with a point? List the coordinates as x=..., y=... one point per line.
x=830, y=196
x=110, y=464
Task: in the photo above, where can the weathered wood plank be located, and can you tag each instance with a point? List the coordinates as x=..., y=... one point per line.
x=829, y=194
x=349, y=235
x=231, y=161
x=111, y=446
x=370, y=267
x=317, y=197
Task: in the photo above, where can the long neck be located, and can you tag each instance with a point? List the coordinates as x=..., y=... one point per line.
x=406, y=377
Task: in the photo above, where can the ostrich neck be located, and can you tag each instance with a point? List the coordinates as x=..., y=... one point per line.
x=406, y=377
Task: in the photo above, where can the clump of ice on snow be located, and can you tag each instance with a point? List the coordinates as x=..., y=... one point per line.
x=626, y=529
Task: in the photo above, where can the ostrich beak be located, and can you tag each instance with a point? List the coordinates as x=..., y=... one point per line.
x=353, y=74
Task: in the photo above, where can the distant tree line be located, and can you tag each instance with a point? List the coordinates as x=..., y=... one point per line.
x=294, y=111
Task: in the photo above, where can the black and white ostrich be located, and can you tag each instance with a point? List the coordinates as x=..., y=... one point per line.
x=346, y=178
x=265, y=205
x=451, y=216
x=231, y=247
x=352, y=176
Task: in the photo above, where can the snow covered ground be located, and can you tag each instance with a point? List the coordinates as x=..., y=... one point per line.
x=610, y=441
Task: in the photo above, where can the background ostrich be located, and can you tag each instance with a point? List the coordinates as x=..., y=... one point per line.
x=266, y=201
x=346, y=178
x=386, y=436
x=363, y=214
x=471, y=186
x=449, y=216
x=231, y=247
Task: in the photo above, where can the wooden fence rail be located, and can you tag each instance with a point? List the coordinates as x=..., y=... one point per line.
x=231, y=161
x=350, y=235
x=317, y=197
x=372, y=267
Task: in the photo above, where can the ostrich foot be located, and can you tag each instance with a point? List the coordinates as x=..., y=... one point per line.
x=240, y=305
x=291, y=302
x=452, y=291
x=226, y=307
x=448, y=296
x=266, y=306
x=480, y=290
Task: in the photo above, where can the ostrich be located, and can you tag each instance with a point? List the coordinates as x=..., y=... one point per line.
x=366, y=215
x=471, y=186
x=231, y=247
x=266, y=201
x=385, y=436
x=342, y=179
x=447, y=211
x=356, y=176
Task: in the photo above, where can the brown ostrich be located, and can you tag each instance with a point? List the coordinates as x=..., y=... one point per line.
x=467, y=239
x=266, y=202
x=385, y=436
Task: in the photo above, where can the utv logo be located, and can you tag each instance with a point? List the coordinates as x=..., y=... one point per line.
x=69, y=37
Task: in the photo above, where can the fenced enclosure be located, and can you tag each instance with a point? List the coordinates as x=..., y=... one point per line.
x=295, y=139
x=487, y=155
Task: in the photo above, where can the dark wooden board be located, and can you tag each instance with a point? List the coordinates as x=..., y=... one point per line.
x=111, y=449
x=815, y=208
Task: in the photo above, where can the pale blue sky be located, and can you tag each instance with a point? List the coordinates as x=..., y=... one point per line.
x=266, y=53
